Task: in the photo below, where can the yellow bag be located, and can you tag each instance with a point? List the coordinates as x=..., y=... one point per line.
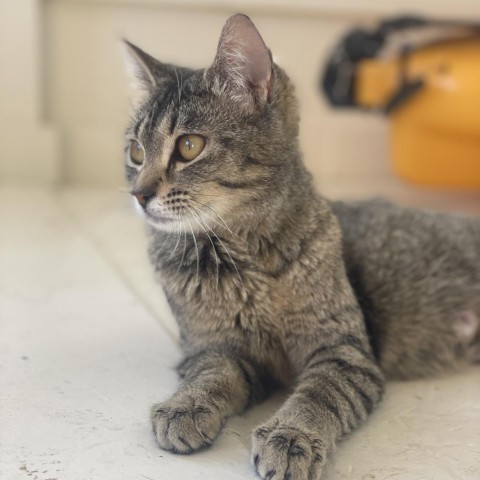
x=431, y=93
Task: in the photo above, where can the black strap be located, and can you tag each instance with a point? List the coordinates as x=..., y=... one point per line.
x=338, y=76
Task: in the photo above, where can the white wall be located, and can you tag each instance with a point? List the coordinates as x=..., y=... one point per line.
x=29, y=145
x=86, y=82
x=75, y=72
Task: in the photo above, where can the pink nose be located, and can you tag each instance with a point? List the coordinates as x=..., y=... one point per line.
x=143, y=195
x=142, y=198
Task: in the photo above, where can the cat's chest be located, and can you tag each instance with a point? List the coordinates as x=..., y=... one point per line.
x=231, y=292
x=235, y=297
x=241, y=310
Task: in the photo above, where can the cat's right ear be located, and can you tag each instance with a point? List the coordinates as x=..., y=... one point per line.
x=141, y=71
x=243, y=64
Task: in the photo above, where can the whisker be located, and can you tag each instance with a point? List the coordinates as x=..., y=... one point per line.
x=196, y=246
x=184, y=250
x=219, y=216
x=179, y=85
x=178, y=241
x=231, y=259
x=192, y=211
x=208, y=216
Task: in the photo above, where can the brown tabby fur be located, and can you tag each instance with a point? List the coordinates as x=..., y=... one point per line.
x=259, y=274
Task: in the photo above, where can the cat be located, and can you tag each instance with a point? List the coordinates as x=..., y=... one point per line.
x=271, y=284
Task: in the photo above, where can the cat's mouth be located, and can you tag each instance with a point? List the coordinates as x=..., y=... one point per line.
x=161, y=215
x=166, y=213
x=165, y=222
x=161, y=218
x=177, y=210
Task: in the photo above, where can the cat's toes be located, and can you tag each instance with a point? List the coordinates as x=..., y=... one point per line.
x=184, y=426
x=283, y=452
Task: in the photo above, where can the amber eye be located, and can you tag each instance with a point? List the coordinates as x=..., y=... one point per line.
x=136, y=152
x=190, y=146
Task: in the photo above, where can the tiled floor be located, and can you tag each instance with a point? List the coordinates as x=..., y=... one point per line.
x=87, y=344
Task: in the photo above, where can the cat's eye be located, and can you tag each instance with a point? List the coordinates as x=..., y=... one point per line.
x=190, y=146
x=136, y=152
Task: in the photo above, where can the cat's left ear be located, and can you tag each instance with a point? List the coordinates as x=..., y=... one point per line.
x=144, y=72
x=243, y=64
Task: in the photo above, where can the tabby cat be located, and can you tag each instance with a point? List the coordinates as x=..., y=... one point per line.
x=271, y=284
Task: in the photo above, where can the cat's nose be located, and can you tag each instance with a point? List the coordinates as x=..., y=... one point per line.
x=143, y=196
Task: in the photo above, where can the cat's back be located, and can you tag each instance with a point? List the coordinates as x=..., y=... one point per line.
x=382, y=229
x=414, y=272
x=399, y=247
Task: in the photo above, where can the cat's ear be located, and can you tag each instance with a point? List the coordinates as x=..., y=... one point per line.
x=142, y=71
x=243, y=64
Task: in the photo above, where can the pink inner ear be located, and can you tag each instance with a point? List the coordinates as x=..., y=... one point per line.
x=256, y=53
x=243, y=53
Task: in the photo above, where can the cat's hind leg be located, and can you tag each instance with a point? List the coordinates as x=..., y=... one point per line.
x=466, y=326
x=420, y=347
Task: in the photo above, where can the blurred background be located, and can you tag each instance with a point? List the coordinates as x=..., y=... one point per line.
x=63, y=89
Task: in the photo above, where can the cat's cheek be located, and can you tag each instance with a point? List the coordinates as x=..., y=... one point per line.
x=226, y=206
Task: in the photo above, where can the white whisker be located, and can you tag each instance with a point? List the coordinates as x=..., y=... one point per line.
x=178, y=241
x=184, y=250
x=196, y=246
x=231, y=259
x=178, y=86
x=218, y=215
x=199, y=222
x=181, y=84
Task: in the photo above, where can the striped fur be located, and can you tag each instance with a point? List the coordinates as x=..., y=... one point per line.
x=252, y=261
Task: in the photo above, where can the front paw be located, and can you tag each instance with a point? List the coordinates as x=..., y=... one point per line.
x=285, y=452
x=185, y=424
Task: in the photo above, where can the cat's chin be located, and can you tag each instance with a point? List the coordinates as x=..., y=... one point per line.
x=165, y=223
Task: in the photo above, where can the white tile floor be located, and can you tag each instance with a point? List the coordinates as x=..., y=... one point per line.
x=87, y=344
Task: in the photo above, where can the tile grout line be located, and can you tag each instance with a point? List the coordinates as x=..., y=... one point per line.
x=91, y=237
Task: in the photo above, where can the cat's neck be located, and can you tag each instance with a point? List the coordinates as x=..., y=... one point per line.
x=287, y=218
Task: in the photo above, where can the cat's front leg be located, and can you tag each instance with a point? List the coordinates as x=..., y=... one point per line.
x=215, y=385
x=338, y=389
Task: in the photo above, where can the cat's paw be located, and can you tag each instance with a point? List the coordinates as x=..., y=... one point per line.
x=285, y=452
x=184, y=424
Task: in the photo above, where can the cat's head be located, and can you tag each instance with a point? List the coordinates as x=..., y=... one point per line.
x=208, y=146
